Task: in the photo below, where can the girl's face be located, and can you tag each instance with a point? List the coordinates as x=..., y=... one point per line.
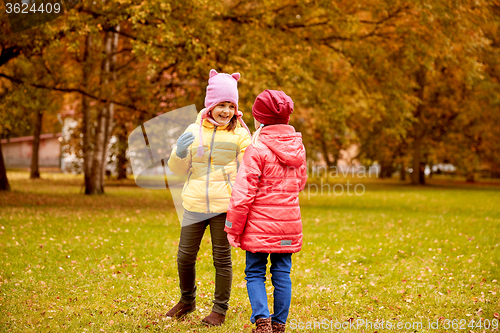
x=223, y=112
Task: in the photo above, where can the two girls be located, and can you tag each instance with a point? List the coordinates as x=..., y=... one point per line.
x=263, y=217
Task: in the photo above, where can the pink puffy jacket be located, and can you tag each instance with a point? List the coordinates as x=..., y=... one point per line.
x=264, y=209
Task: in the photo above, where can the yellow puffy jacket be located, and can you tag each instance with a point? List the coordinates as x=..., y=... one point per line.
x=210, y=177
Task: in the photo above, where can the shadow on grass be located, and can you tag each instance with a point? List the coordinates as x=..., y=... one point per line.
x=66, y=192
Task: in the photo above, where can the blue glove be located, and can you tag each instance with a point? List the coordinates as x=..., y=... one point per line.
x=184, y=141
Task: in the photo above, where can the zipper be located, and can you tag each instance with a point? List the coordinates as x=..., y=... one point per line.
x=237, y=161
x=228, y=181
x=209, y=167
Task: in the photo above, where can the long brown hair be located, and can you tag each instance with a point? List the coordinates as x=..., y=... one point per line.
x=232, y=124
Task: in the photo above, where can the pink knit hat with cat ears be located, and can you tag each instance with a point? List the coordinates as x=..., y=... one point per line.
x=221, y=87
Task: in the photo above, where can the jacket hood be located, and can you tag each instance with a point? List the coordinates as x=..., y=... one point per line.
x=287, y=144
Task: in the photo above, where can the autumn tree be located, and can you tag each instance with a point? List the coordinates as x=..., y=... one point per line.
x=396, y=77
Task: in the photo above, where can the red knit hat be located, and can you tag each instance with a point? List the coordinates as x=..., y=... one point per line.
x=272, y=107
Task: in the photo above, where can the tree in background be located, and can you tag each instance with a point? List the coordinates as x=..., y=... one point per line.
x=472, y=141
x=18, y=96
x=418, y=69
x=396, y=77
x=4, y=182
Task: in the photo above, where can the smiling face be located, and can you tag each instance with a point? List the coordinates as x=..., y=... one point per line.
x=223, y=112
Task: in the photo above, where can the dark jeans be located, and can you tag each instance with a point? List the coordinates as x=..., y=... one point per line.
x=281, y=264
x=189, y=244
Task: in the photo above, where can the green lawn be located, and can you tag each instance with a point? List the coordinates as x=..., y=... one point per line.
x=397, y=253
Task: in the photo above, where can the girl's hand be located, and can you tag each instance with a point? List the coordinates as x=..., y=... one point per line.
x=184, y=141
x=234, y=240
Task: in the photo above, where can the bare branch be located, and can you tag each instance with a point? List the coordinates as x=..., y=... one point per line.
x=74, y=90
x=126, y=64
x=163, y=70
x=389, y=17
x=9, y=53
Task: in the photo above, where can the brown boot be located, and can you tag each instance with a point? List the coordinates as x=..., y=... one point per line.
x=278, y=328
x=263, y=326
x=181, y=309
x=214, y=319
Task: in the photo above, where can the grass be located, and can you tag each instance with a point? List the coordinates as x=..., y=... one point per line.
x=397, y=253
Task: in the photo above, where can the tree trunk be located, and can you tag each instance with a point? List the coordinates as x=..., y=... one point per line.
x=386, y=170
x=469, y=175
x=96, y=180
x=418, y=174
x=4, y=182
x=381, y=173
x=121, y=158
x=329, y=162
x=416, y=178
x=415, y=175
x=86, y=117
x=104, y=119
x=35, y=171
x=421, y=173
x=402, y=173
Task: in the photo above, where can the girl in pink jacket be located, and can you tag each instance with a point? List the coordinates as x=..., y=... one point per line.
x=263, y=217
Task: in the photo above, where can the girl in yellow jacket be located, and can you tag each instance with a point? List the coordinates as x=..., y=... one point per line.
x=209, y=153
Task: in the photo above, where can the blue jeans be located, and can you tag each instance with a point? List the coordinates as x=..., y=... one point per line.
x=255, y=271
